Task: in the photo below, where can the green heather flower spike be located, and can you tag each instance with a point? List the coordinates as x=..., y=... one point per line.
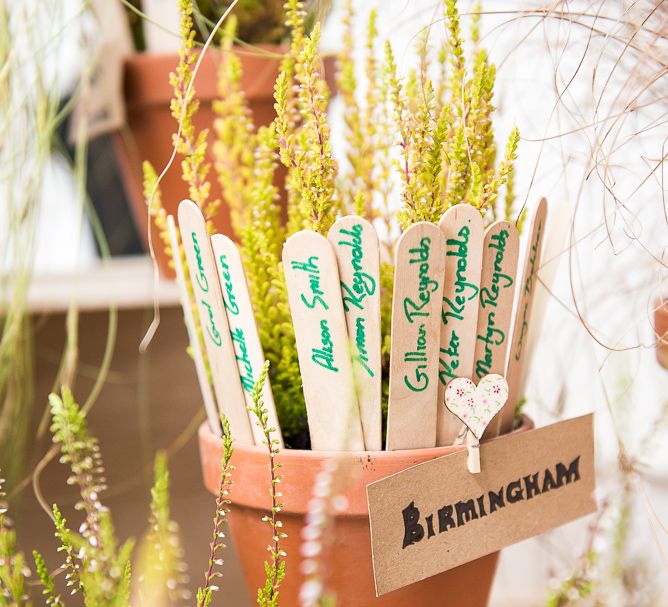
x=362, y=121
x=456, y=56
x=311, y=163
x=192, y=145
x=94, y=562
x=157, y=211
x=267, y=596
x=491, y=189
x=48, y=585
x=235, y=137
x=205, y=592
x=161, y=568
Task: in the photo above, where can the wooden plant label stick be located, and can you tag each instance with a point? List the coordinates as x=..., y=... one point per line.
x=357, y=251
x=205, y=387
x=314, y=293
x=497, y=288
x=416, y=318
x=243, y=329
x=463, y=230
x=527, y=289
x=217, y=340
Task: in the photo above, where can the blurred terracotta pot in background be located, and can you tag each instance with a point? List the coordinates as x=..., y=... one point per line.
x=349, y=570
x=661, y=330
x=150, y=125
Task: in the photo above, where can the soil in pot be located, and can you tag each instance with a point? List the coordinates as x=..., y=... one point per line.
x=348, y=561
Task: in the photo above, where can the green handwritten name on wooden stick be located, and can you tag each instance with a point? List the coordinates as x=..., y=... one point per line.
x=316, y=305
x=463, y=229
x=357, y=249
x=243, y=331
x=528, y=285
x=211, y=309
x=497, y=290
x=210, y=406
x=416, y=318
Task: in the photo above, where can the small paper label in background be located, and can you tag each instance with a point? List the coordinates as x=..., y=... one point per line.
x=436, y=516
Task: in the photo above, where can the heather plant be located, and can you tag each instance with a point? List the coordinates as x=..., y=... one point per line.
x=424, y=140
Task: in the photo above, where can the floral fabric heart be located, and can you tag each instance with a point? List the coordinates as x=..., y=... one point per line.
x=476, y=405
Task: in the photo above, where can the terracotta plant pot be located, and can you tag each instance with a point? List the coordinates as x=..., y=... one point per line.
x=348, y=562
x=150, y=125
x=661, y=330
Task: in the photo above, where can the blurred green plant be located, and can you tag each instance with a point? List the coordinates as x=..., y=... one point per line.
x=14, y=572
x=162, y=577
x=259, y=21
x=96, y=565
x=31, y=110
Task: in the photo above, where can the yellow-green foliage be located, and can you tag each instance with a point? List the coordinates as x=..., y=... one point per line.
x=445, y=130
x=262, y=241
x=95, y=565
x=153, y=198
x=191, y=144
x=430, y=133
x=306, y=151
x=162, y=572
x=13, y=569
x=235, y=137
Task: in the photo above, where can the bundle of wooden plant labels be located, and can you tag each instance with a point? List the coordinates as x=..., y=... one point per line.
x=460, y=312
x=396, y=272
x=389, y=292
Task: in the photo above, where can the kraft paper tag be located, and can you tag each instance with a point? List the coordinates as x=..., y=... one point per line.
x=436, y=516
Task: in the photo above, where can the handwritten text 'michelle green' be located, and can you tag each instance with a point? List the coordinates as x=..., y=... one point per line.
x=237, y=334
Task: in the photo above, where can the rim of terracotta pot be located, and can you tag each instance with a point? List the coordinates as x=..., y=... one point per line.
x=146, y=80
x=299, y=468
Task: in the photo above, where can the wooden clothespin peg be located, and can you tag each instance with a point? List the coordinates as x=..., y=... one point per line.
x=476, y=406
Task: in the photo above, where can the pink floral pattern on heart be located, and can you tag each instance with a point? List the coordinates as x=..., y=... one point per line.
x=477, y=405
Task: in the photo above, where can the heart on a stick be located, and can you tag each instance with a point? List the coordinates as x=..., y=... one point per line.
x=475, y=405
